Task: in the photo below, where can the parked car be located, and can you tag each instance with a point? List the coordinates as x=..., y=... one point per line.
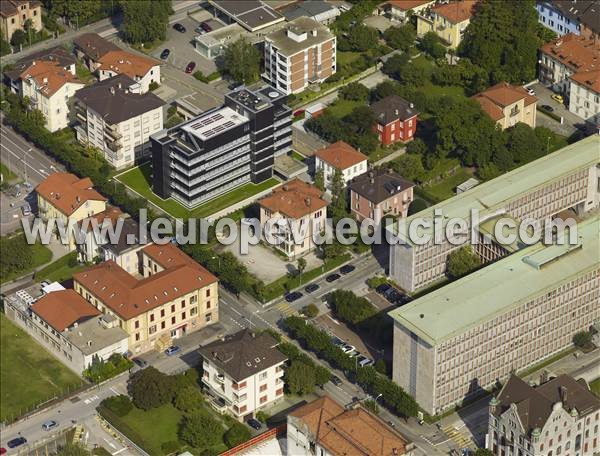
x=255, y=424
x=293, y=296
x=353, y=353
x=364, y=361
x=44, y=283
x=337, y=342
x=558, y=98
x=17, y=191
x=26, y=208
x=347, y=269
x=165, y=54
x=200, y=30
x=336, y=380
x=348, y=348
x=530, y=91
x=332, y=277
x=190, y=67
x=2, y=450
x=381, y=289
x=172, y=350
x=311, y=287
x=394, y=296
x=48, y=425
x=180, y=28
x=14, y=443
x=206, y=27
x=140, y=362
x=547, y=108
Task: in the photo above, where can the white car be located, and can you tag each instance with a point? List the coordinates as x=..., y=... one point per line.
x=353, y=353
x=348, y=348
x=364, y=361
x=530, y=91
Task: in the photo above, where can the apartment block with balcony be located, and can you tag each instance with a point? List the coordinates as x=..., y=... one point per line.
x=223, y=148
x=508, y=105
x=560, y=416
x=458, y=340
x=243, y=373
x=174, y=297
x=539, y=191
x=15, y=13
x=114, y=116
x=292, y=214
x=448, y=20
x=299, y=54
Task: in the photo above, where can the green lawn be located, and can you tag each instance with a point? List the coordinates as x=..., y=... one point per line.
x=447, y=188
x=595, y=387
x=155, y=426
x=29, y=375
x=344, y=58
x=83, y=73
x=341, y=108
x=41, y=255
x=298, y=156
x=59, y=270
x=7, y=174
x=138, y=179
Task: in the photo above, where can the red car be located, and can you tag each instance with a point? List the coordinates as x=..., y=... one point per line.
x=190, y=67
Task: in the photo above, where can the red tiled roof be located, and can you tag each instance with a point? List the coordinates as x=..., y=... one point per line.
x=407, y=4
x=456, y=12
x=60, y=309
x=494, y=99
x=49, y=76
x=576, y=52
x=340, y=155
x=294, y=199
x=167, y=255
x=124, y=62
x=66, y=192
x=111, y=213
x=589, y=79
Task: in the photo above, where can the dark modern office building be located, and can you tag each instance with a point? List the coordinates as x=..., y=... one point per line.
x=223, y=148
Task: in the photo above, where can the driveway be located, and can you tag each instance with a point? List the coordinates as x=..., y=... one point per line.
x=571, y=122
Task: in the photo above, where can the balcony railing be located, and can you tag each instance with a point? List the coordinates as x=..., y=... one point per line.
x=112, y=132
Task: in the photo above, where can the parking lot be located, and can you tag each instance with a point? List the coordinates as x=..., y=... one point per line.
x=571, y=122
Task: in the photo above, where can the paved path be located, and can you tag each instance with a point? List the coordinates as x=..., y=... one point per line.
x=390, y=157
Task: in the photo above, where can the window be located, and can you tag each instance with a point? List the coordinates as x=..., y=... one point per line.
x=151, y=317
x=162, y=325
x=173, y=319
x=137, y=324
x=152, y=329
x=262, y=388
x=162, y=312
x=137, y=336
x=207, y=305
x=193, y=299
x=262, y=375
x=263, y=399
x=208, y=317
x=183, y=304
x=279, y=392
x=172, y=308
x=208, y=292
x=193, y=311
x=183, y=315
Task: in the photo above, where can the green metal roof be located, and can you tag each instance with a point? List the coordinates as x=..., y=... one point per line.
x=501, y=286
x=497, y=192
x=488, y=229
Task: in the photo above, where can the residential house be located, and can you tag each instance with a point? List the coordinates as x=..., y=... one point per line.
x=47, y=78
x=447, y=20
x=559, y=416
x=115, y=117
x=378, y=193
x=395, y=120
x=579, y=17
x=68, y=199
x=507, y=105
x=565, y=56
x=401, y=10
x=175, y=296
x=72, y=329
x=299, y=54
x=319, y=10
x=584, y=95
x=243, y=373
x=15, y=13
x=108, y=60
x=294, y=207
x=95, y=230
x=340, y=156
x=325, y=428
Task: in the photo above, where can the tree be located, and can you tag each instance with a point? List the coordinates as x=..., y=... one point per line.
x=236, y=434
x=150, y=388
x=322, y=375
x=310, y=310
x=361, y=38
x=360, y=120
x=371, y=406
x=120, y=405
x=145, y=22
x=320, y=180
x=417, y=205
x=409, y=166
x=462, y=261
x=301, y=266
x=188, y=398
x=351, y=308
x=417, y=146
x=380, y=366
x=394, y=66
x=300, y=378
x=18, y=38
x=432, y=45
x=4, y=47
x=582, y=339
x=242, y=61
x=200, y=430
x=401, y=38
x=338, y=191
x=354, y=91
x=73, y=449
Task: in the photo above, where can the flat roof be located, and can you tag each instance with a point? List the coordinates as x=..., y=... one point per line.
x=289, y=167
x=224, y=35
x=288, y=47
x=214, y=123
x=488, y=229
x=250, y=14
x=92, y=335
x=501, y=286
x=493, y=194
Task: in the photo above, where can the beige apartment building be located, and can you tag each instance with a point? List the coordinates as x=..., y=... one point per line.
x=175, y=296
x=565, y=179
x=300, y=54
x=14, y=14
x=457, y=340
x=294, y=207
x=448, y=20
x=507, y=105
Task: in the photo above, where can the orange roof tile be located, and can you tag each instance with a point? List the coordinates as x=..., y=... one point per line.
x=111, y=213
x=123, y=62
x=576, y=52
x=589, y=79
x=66, y=192
x=340, y=155
x=407, y=4
x=130, y=297
x=349, y=432
x=294, y=199
x=456, y=12
x=49, y=76
x=167, y=255
x=60, y=309
x=494, y=99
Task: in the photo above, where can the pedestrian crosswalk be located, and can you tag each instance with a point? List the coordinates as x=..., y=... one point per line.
x=286, y=309
x=461, y=440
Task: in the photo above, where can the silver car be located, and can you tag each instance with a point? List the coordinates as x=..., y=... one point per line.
x=49, y=425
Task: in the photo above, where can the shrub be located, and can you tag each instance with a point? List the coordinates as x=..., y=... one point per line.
x=311, y=311
x=374, y=282
x=380, y=366
x=351, y=308
x=236, y=434
x=120, y=405
x=188, y=398
x=150, y=388
x=153, y=86
x=582, y=339
x=170, y=446
x=262, y=416
x=72, y=261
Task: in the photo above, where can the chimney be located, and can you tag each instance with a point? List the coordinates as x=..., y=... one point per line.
x=412, y=105
x=396, y=112
x=543, y=377
x=307, y=201
x=372, y=180
x=119, y=85
x=112, y=90
x=563, y=394
x=313, y=32
x=285, y=188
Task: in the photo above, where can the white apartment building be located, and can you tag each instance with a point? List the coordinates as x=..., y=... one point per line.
x=454, y=342
x=340, y=156
x=584, y=96
x=294, y=207
x=560, y=416
x=118, y=118
x=299, y=54
x=567, y=178
x=243, y=373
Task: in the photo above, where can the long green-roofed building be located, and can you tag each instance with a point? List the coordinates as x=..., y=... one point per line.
x=467, y=335
x=566, y=179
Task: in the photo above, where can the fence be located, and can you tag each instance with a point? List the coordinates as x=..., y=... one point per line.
x=271, y=433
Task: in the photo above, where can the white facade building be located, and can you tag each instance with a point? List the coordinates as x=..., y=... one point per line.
x=342, y=157
x=584, y=96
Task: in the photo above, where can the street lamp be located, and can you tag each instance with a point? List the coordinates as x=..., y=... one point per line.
x=380, y=394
